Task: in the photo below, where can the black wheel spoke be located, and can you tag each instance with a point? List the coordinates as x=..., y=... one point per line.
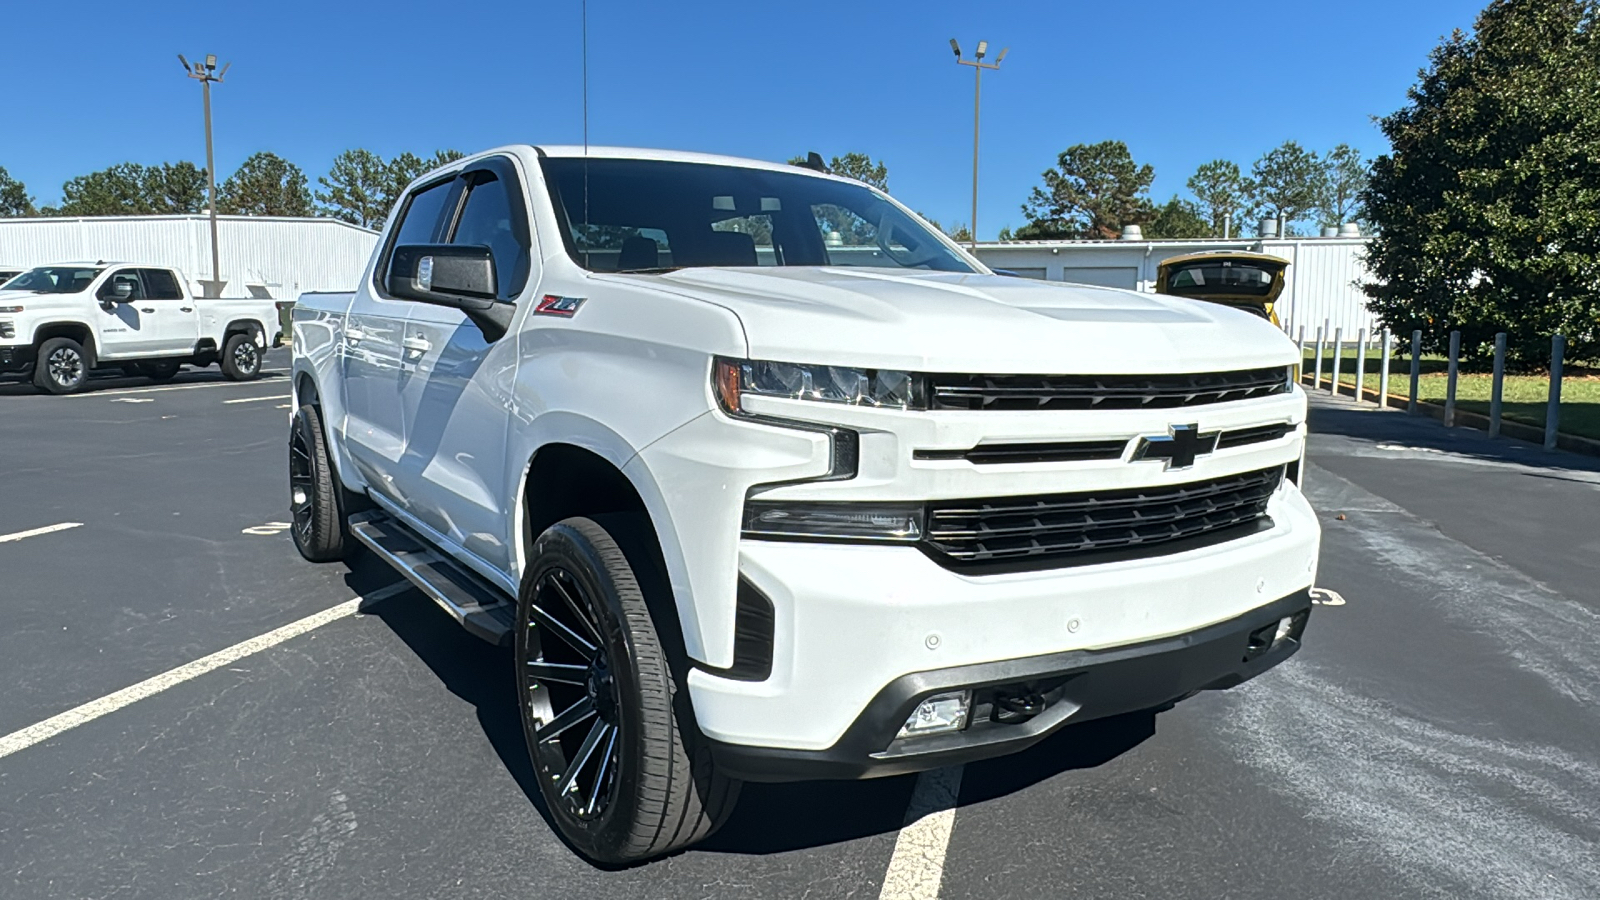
x=600, y=776
x=596, y=734
x=559, y=672
x=544, y=620
x=577, y=609
x=574, y=714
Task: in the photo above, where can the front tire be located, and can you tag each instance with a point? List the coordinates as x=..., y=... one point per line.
x=61, y=366
x=241, y=358
x=316, y=520
x=613, y=746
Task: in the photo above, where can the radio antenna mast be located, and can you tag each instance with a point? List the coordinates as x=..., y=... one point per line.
x=585, y=15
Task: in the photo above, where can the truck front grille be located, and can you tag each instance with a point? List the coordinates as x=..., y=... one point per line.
x=1028, y=392
x=1065, y=529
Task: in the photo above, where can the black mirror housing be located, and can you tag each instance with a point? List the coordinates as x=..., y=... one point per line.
x=454, y=275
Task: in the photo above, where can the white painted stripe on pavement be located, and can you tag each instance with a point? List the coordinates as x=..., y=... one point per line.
x=157, y=390
x=35, y=532
x=94, y=709
x=917, y=866
x=255, y=399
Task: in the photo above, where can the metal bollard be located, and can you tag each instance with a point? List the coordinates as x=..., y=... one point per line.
x=1552, y=413
x=1383, y=376
x=1497, y=387
x=1338, y=356
x=1416, y=370
x=1450, y=384
x=1316, y=379
x=1361, y=365
x=1300, y=361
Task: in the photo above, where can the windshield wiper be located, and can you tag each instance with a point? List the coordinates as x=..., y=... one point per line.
x=657, y=270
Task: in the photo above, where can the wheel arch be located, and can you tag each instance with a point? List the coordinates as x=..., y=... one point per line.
x=77, y=331
x=562, y=480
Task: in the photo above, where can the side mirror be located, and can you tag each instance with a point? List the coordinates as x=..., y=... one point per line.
x=457, y=276
x=114, y=293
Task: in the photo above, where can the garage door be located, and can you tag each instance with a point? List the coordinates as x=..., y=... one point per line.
x=1105, y=276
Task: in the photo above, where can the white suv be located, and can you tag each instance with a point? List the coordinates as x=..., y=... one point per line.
x=765, y=479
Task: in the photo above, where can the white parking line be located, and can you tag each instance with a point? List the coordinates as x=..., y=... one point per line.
x=917, y=866
x=35, y=532
x=94, y=709
x=255, y=399
x=157, y=390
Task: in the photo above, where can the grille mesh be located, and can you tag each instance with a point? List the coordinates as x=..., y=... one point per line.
x=1060, y=527
x=1026, y=392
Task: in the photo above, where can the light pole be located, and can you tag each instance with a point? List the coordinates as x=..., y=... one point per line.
x=205, y=73
x=978, y=65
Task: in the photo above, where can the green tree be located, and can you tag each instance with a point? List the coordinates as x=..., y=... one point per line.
x=1487, y=210
x=265, y=185
x=118, y=190
x=1177, y=220
x=859, y=166
x=1286, y=183
x=1005, y=234
x=357, y=189
x=14, y=199
x=1345, y=176
x=1219, y=186
x=408, y=167
x=175, y=188
x=1095, y=190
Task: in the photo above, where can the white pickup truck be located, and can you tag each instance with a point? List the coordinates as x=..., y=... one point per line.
x=762, y=478
x=62, y=321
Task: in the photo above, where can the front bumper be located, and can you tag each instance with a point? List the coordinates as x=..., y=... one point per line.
x=851, y=620
x=1075, y=686
x=16, y=358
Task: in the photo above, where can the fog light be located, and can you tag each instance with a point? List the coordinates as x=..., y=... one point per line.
x=938, y=714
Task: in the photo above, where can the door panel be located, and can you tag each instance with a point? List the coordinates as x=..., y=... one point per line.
x=125, y=328
x=456, y=393
x=176, y=324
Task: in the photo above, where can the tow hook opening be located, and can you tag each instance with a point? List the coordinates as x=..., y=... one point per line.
x=1275, y=634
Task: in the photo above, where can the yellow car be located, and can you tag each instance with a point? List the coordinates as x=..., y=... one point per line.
x=1251, y=281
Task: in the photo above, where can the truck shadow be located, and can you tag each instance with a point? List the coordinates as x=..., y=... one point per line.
x=770, y=818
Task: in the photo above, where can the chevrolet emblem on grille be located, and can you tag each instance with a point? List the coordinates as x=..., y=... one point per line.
x=1182, y=445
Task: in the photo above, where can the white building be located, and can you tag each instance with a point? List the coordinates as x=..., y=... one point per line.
x=260, y=255
x=1321, y=284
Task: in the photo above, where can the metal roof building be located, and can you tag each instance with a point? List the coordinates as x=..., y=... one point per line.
x=260, y=255
x=1322, y=284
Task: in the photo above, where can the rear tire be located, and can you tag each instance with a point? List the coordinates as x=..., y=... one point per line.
x=317, y=522
x=613, y=744
x=241, y=358
x=61, y=366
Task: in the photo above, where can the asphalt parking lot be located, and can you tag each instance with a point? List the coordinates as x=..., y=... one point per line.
x=1437, y=737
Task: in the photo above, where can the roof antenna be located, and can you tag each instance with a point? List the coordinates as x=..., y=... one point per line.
x=814, y=161
x=586, y=130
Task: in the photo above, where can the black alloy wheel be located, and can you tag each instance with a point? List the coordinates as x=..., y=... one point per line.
x=316, y=519
x=613, y=742
x=571, y=692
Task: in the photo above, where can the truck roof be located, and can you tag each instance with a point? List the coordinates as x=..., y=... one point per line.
x=577, y=150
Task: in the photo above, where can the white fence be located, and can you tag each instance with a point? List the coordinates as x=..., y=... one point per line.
x=276, y=256
x=1322, y=282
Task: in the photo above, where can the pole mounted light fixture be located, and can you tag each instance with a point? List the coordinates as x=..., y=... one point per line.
x=206, y=73
x=978, y=65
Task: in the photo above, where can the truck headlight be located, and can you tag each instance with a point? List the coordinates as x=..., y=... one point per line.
x=897, y=523
x=733, y=378
x=7, y=329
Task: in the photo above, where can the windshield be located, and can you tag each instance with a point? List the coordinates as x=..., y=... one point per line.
x=54, y=280
x=635, y=215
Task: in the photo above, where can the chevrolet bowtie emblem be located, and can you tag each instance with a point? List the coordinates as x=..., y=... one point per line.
x=1182, y=445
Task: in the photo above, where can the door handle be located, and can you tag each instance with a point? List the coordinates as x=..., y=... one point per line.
x=185, y=309
x=354, y=335
x=146, y=309
x=417, y=344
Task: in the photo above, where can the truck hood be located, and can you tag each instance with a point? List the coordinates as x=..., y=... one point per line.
x=953, y=322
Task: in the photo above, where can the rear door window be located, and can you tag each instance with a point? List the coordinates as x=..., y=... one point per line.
x=161, y=284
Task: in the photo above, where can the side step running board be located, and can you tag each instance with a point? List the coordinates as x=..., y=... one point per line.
x=479, y=607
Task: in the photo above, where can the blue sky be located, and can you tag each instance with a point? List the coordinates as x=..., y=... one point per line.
x=89, y=84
